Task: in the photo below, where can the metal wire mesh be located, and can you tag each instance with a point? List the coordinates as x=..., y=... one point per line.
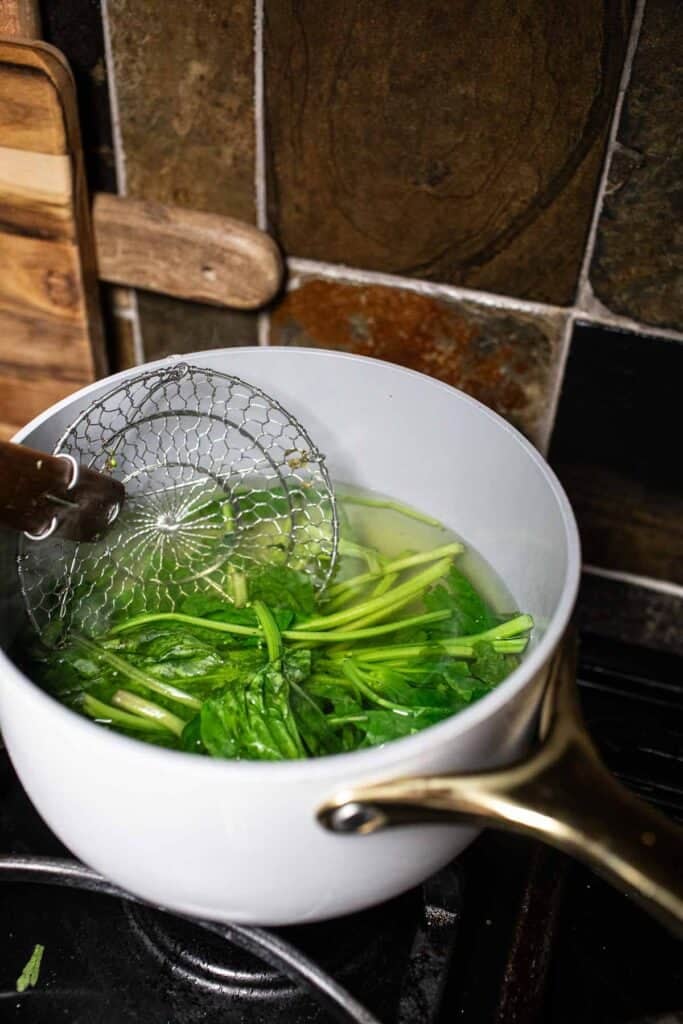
x=219, y=479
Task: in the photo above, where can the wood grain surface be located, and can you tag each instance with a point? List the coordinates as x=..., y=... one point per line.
x=50, y=333
x=20, y=18
x=35, y=193
x=185, y=253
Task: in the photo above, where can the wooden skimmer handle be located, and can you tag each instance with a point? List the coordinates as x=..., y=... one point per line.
x=45, y=494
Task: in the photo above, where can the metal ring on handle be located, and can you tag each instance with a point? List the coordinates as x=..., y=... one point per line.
x=75, y=470
x=44, y=534
x=54, y=522
x=114, y=510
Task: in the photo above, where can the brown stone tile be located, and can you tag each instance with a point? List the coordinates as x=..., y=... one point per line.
x=626, y=523
x=505, y=359
x=632, y=614
x=638, y=262
x=185, y=82
x=171, y=326
x=614, y=449
x=458, y=143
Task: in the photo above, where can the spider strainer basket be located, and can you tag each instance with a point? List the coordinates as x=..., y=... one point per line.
x=220, y=480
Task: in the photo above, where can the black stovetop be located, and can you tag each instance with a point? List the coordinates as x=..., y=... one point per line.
x=510, y=932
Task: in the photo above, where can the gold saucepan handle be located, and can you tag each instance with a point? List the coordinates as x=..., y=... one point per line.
x=563, y=794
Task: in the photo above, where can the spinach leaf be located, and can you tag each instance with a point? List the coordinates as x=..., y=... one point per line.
x=458, y=677
x=297, y=665
x=469, y=612
x=31, y=972
x=382, y=726
x=316, y=733
x=281, y=587
x=489, y=666
x=191, y=738
x=255, y=721
x=389, y=684
x=335, y=698
x=222, y=720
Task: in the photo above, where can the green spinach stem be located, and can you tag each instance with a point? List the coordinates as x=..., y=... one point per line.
x=299, y=634
x=411, y=587
x=110, y=715
x=148, y=710
x=390, y=506
x=398, y=565
x=270, y=630
x=190, y=620
x=345, y=635
x=136, y=674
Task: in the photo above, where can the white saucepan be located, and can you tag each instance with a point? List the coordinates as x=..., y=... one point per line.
x=243, y=841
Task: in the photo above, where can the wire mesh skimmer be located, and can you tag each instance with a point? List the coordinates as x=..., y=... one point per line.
x=219, y=480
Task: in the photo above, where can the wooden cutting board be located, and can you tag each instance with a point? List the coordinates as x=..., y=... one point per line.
x=51, y=339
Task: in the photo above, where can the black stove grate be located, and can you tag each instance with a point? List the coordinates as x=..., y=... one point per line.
x=118, y=961
x=259, y=943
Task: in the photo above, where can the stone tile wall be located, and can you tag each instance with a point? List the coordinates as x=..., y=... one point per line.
x=487, y=192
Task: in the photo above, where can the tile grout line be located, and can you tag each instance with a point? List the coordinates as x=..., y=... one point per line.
x=260, y=192
x=259, y=121
x=120, y=165
x=434, y=289
x=584, y=291
x=262, y=330
x=661, y=586
x=119, y=152
x=603, y=317
x=138, y=343
x=439, y=289
x=548, y=421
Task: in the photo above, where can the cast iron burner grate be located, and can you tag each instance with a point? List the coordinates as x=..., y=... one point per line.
x=509, y=932
x=117, y=961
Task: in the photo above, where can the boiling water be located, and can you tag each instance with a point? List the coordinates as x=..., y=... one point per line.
x=392, y=533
